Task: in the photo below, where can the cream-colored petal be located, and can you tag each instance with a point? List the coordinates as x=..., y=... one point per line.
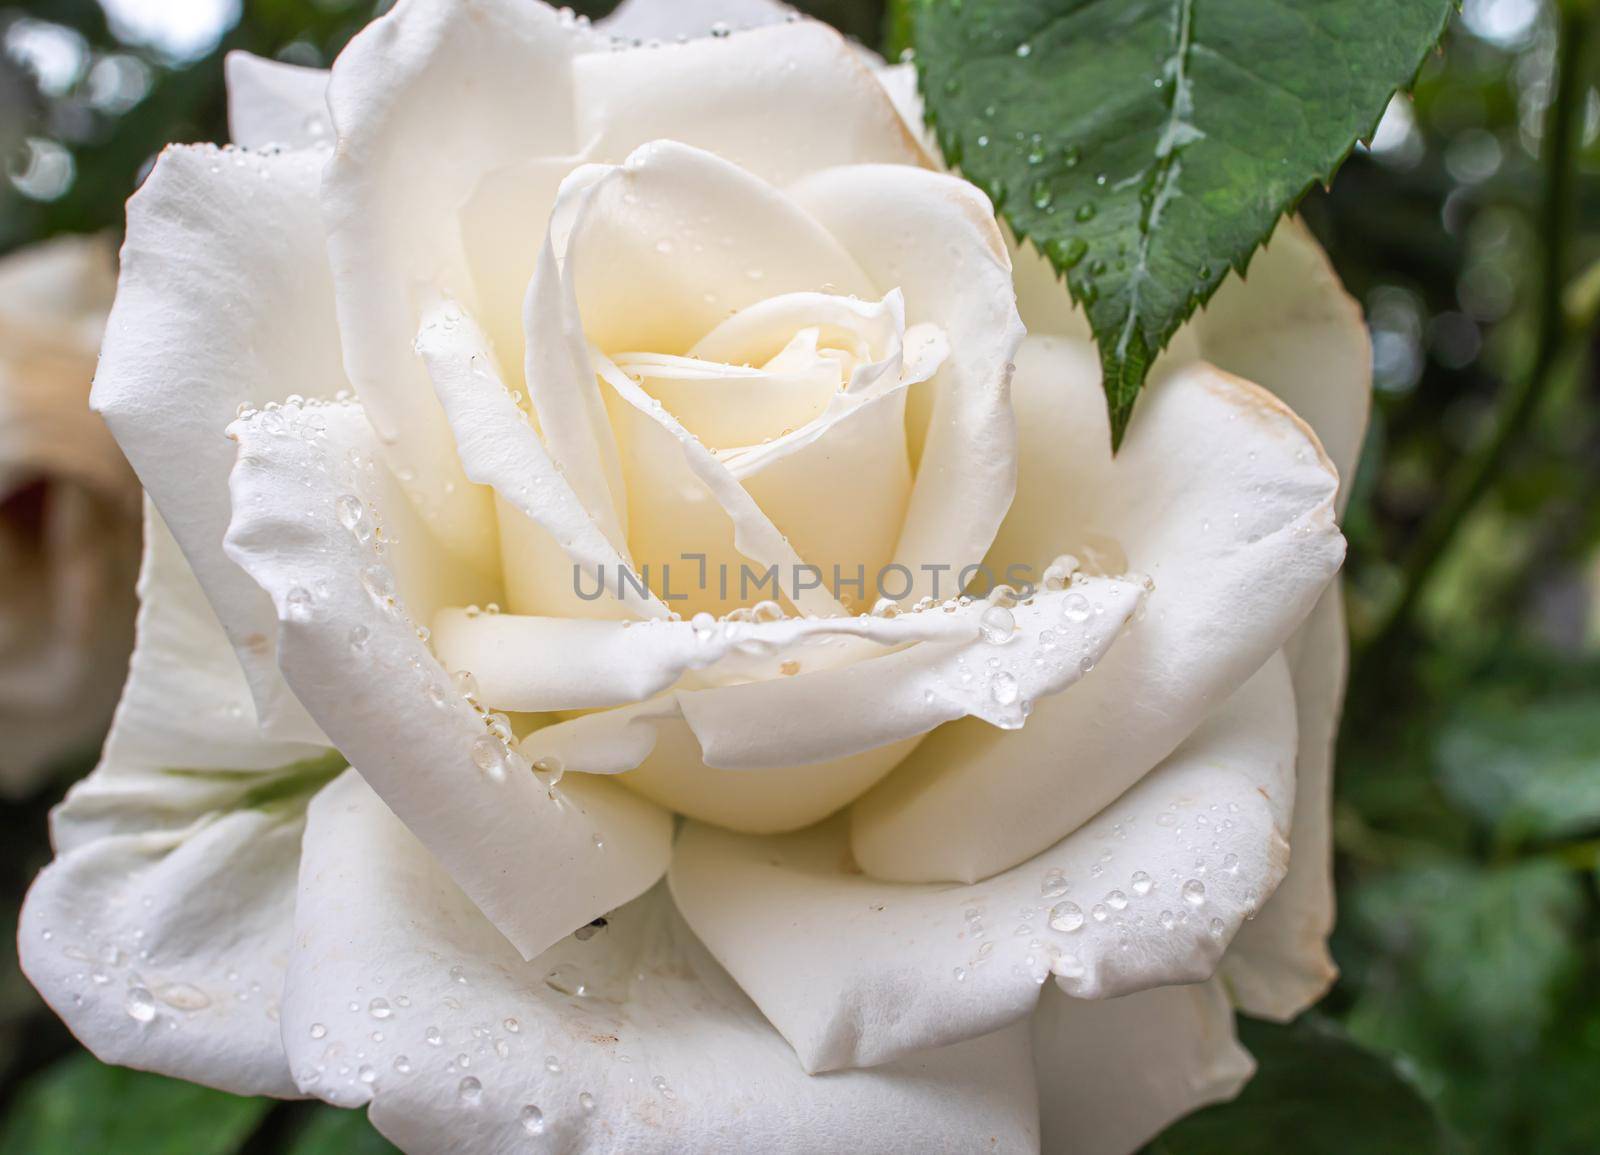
x=1225, y=499
x=1146, y=894
x=1289, y=326
x=962, y=430
x=772, y=768
x=554, y=546
x=1115, y=1073
x=1280, y=964
x=224, y=300
x=646, y=20
x=537, y=665
x=271, y=103
x=527, y=855
x=628, y=1039
x=427, y=101
x=160, y=932
x=778, y=102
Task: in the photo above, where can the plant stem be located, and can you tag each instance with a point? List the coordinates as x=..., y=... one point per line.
x=1477, y=474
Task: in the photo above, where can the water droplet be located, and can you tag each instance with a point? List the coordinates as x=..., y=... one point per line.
x=1075, y=607
x=351, y=512
x=359, y=637
x=552, y=1064
x=1116, y=900
x=961, y=974
x=299, y=604
x=1230, y=863
x=402, y=1065
x=532, y=1120
x=512, y=1026
x=489, y=755
x=319, y=1031
x=1194, y=892
x=470, y=1090
x=1216, y=928
x=586, y=1101
x=1054, y=885
x=1024, y=50
x=378, y=582
x=380, y=1009
x=1167, y=920
x=1066, y=916
x=1085, y=212
x=1004, y=689
x=548, y=770
x=998, y=625
x=367, y=1075
x=433, y=1037
x=140, y=1005
x=1143, y=884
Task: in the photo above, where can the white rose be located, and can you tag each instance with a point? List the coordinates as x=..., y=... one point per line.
x=69, y=514
x=606, y=307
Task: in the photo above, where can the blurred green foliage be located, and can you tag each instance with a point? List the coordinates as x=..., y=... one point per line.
x=1468, y=813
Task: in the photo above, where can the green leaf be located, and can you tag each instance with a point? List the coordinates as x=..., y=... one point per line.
x=1316, y=1092
x=1488, y=948
x=1528, y=770
x=83, y=1107
x=1148, y=146
x=335, y=1132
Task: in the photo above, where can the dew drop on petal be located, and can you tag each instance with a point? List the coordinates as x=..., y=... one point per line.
x=1194, y=892
x=998, y=625
x=1075, y=608
x=1066, y=916
x=470, y=1090
x=532, y=1120
x=140, y=1005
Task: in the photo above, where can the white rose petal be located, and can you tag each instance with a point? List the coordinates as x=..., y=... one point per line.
x=1225, y=499
x=1114, y=1073
x=1146, y=894
x=224, y=300
x=531, y=860
x=630, y=1039
x=160, y=932
x=272, y=103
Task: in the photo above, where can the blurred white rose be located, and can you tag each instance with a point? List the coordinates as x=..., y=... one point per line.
x=69, y=514
x=551, y=316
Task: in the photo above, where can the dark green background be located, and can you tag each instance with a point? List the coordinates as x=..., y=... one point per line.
x=1468, y=812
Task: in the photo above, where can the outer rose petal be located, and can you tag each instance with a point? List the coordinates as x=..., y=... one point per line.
x=224, y=300
x=428, y=100
x=669, y=19
x=160, y=933
x=1115, y=1073
x=270, y=103
x=1225, y=499
x=1146, y=894
x=778, y=102
x=1289, y=326
x=1279, y=965
x=659, y=1054
x=529, y=859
